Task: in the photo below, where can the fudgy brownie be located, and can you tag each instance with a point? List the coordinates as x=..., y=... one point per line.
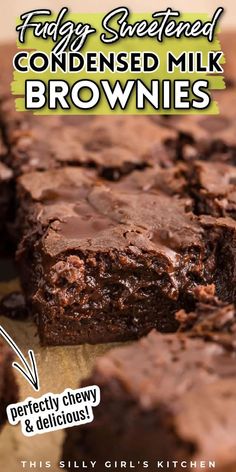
x=8, y=386
x=165, y=398
x=106, y=263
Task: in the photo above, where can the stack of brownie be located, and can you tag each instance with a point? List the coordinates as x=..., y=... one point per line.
x=124, y=225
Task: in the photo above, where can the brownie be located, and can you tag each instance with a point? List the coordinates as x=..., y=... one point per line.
x=108, y=144
x=8, y=386
x=210, y=138
x=114, y=145
x=212, y=319
x=5, y=192
x=164, y=398
x=106, y=263
x=221, y=234
x=212, y=185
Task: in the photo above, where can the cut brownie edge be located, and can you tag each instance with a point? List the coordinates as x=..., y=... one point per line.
x=105, y=296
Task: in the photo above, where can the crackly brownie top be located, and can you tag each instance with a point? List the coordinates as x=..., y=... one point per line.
x=171, y=181
x=83, y=212
x=114, y=145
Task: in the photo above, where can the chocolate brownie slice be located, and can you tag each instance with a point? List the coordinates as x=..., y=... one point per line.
x=8, y=386
x=165, y=398
x=106, y=263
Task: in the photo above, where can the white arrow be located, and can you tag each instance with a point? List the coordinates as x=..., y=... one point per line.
x=31, y=372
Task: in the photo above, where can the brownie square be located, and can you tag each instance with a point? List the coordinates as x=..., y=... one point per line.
x=8, y=386
x=106, y=263
x=165, y=398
